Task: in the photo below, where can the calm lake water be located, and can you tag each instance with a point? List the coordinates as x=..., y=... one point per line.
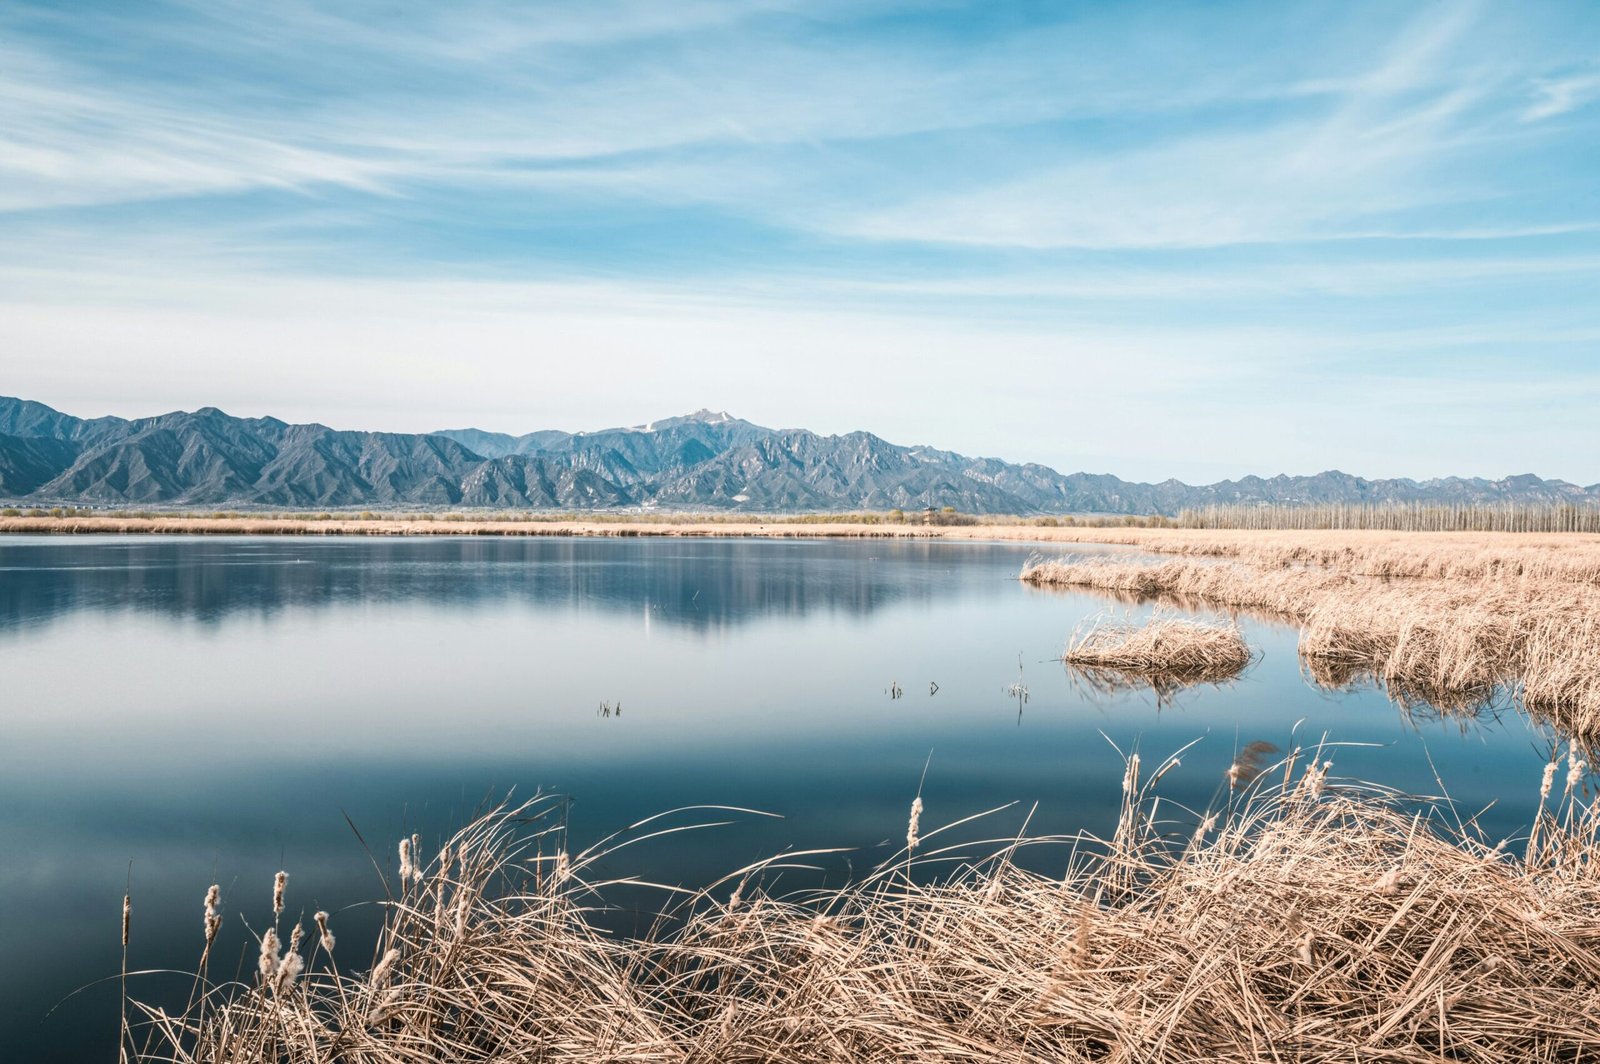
x=180, y=711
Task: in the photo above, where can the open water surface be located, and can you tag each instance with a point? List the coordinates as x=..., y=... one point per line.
x=181, y=711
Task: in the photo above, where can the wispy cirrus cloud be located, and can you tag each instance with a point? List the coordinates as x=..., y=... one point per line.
x=490, y=92
x=1386, y=143
x=1557, y=96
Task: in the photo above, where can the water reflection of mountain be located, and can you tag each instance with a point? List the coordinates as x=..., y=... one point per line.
x=698, y=584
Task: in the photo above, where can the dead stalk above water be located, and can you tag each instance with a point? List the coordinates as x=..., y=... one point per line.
x=1326, y=921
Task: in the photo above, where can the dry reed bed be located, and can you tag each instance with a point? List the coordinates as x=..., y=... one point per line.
x=1449, y=641
x=1301, y=921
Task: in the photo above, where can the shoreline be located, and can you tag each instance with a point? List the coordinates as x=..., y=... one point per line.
x=297, y=526
x=1222, y=542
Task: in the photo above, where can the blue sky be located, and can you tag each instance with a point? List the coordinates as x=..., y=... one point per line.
x=1193, y=240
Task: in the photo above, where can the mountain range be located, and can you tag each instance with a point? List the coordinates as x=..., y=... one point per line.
x=701, y=461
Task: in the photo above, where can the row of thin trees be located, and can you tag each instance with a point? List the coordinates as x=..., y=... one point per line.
x=1400, y=517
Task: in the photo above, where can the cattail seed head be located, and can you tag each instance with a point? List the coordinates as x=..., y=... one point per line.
x=127, y=917
x=289, y=969
x=268, y=962
x=385, y=1005
x=1130, y=778
x=913, y=828
x=1317, y=776
x=1233, y=775
x=280, y=883
x=1576, y=767
x=213, y=918
x=1549, y=778
x=416, y=858
x=285, y=969
x=405, y=860
x=385, y=965
x=563, y=868
x=326, y=937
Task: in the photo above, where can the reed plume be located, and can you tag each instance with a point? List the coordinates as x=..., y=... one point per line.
x=213, y=913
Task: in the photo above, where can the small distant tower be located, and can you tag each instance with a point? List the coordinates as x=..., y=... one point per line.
x=928, y=515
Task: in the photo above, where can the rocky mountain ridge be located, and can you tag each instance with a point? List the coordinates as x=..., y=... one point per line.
x=701, y=461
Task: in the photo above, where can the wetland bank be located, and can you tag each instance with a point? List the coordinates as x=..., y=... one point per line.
x=334, y=659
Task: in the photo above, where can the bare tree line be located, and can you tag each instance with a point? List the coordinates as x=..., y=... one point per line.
x=1399, y=517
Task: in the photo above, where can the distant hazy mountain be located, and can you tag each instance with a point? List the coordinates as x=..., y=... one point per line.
x=700, y=461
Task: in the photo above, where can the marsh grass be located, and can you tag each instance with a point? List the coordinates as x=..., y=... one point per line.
x=1165, y=654
x=1300, y=919
x=1451, y=641
x=1200, y=650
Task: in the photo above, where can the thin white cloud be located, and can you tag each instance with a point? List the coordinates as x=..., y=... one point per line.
x=491, y=93
x=1373, y=155
x=64, y=142
x=481, y=100
x=1257, y=282
x=1557, y=96
x=1284, y=184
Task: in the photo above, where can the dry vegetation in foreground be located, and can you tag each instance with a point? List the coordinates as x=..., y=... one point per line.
x=1164, y=654
x=1452, y=641
x=1303, y=920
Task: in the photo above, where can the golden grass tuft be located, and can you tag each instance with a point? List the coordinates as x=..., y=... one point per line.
x=1301, y=920
x=1164, y=654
